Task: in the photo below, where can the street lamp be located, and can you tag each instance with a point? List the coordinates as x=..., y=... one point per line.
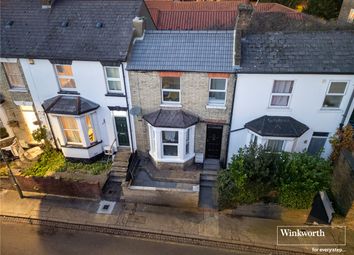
x=11, y=175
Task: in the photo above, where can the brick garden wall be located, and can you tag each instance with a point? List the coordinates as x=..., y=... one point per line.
x=343, y=184
x=55, y=186
x=146, y=93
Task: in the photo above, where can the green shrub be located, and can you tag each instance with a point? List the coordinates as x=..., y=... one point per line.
x=328, y=9
x=254, y=173
x=91, y=168
x=50, y=161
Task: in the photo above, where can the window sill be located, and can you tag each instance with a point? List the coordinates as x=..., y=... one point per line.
x=19, y=90
x=330, y=109
x=213, y=106
x=171, y=105
x=172, y=159
x=110, y=94
x=65, y=92
x=77, y=146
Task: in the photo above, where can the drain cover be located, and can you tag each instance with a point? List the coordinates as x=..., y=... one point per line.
x=106, y=207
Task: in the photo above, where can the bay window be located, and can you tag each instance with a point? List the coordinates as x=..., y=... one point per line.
x=70, y=130
x=275, y=145
x=171, y=144
x=79, y=130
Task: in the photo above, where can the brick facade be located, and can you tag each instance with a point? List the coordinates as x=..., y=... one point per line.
x=146, y=93
x=12, y=110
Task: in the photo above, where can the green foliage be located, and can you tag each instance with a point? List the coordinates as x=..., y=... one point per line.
x=327, y=9
x=39, y=134
x=3, y=133
x=54, y=161
x=50, y=161
x=92, y=168
x=254, y=173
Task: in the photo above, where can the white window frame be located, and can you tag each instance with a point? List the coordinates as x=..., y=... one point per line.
x=187, y=141
x=171, y=90
x=82, y=129
x=182, y=157
x=281, y=95
x=64, y=77
x=170, y=144
x=211, y=103
x=17, y=87
x=120, y=79
x=334, y=94
x=275, y=139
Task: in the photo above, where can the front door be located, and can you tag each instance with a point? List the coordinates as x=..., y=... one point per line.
x=122, y=131
x=213, y=141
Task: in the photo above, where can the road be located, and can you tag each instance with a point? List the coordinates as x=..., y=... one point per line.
x=23, y=239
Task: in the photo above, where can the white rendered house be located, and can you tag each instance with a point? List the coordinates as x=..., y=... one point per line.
x=75, y=69
x=291, y=97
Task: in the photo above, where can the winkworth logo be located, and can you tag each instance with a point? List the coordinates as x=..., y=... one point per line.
x=302, y=233
x=311, y=235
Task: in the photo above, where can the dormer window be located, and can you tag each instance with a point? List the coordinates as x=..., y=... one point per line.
x=14, y=76
x=65, y=77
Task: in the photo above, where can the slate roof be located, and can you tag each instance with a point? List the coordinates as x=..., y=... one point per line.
x=298, y=52
x=38, y=33
x=198, y=51
x=277, y=126
x=175, y=15
x=171, y=119
x=69, y=105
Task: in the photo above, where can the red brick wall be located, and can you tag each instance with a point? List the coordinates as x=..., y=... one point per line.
x=55, y=186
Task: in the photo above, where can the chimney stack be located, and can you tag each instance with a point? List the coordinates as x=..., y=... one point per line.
x=243, y=21
x=47, y=4
x=139, y=26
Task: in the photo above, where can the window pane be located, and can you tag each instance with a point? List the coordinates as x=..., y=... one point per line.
x=90, y=131
x=218, y=84
x=280, y=100
x=170, y=83
x=14, y=75
x=170, y=96
x=72, y=136
x=68, y=122
x=114, y=85
x=112, y=72
x=332, y=101
x=275, y=145
x=64, y=70
x=217, y=97
x=169, y=136
x=337, y=87
x=67, y=83
x=282, y=87
x=170, y=150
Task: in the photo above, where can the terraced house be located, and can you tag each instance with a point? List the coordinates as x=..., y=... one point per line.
x=72, y=56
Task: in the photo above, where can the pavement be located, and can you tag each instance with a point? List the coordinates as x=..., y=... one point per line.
x=202, y=223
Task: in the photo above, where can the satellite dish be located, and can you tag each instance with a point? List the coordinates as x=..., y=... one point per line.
x=135, y=110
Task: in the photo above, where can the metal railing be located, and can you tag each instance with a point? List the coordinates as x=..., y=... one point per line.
x=112, y=153
x=132, y=166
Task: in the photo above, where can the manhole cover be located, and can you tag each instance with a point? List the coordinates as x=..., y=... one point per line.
x=106, y=207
